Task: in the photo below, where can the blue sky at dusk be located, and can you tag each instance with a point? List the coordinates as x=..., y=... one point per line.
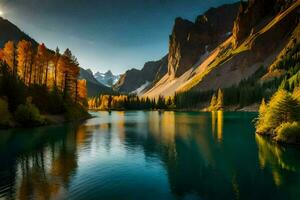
x=104, y=34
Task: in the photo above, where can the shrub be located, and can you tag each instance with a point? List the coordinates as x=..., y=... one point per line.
x=5, y=115
x=289, y=132
x=28, y=115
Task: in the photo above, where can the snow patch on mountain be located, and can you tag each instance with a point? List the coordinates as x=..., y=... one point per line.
x=107, y=78
x=140, y=90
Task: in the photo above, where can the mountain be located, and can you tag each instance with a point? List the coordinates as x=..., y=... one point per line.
x=93, y=86
x=107, y=78
x=191, y=41
x=211, y=54
x=9, y=31
x=135, y=81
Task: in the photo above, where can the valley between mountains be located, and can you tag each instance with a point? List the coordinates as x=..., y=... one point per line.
x=221, y=48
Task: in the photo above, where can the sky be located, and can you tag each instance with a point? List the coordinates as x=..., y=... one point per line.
x=104, y=35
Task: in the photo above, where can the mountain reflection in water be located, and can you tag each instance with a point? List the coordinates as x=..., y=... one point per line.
x=148, y=155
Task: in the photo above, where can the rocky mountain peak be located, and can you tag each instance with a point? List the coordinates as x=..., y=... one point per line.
x=135, y=80
x=108, y=73
x=107, y=78
x=190, y=40
x=250, y=15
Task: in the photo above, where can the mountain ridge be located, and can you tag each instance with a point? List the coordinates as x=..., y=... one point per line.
x=239, y=56
x=133, y=79
x=10, y=31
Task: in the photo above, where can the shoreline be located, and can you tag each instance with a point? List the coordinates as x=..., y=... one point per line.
x=51, y=120
x=250, y=108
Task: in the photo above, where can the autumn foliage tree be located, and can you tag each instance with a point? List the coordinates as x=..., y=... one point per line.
x=24, y=52
x=9, y=56
x=41, y=67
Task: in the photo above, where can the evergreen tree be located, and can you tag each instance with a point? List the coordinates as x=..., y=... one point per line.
x=282, y=108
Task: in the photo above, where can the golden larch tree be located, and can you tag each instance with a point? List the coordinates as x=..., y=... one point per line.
x=24, y=51
x=9, y=55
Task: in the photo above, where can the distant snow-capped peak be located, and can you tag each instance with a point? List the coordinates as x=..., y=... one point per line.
x=107, y=78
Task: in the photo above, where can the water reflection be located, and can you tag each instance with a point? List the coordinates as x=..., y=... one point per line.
x=278, y=158
x=166, y=155
x=41, y=171
x=217, y=124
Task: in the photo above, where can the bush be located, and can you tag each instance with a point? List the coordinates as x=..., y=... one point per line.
x=28, y=115
x=5, y=115
x=289, y=133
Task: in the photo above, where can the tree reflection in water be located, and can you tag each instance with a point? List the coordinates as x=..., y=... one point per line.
x=279, y=159
x=45, y=161
x=193, y=155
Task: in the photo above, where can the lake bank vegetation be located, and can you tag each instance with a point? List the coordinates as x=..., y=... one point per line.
x=37, y=83
x=280, y=117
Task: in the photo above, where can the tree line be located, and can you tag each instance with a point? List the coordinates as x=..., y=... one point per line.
x=247, y=92
x=41, y=66
x=129, y=102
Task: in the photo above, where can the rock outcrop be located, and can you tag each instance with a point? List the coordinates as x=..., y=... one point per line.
x=189, y=41
x=134, y=78
x=252, y=14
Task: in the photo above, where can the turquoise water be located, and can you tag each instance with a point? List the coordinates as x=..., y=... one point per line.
x=148, y=155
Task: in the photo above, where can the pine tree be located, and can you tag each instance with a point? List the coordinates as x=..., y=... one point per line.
x=282, y=108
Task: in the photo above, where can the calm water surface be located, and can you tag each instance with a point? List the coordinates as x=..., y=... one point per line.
x=148, y=155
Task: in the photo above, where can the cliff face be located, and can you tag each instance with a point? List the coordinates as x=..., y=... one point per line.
x=189, y=41
x=249, y=15
x=133, y=79
x=253, y=13
x=262, y=29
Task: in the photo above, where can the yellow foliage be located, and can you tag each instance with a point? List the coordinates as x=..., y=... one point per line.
x=44, y=67
x=296, y=93
x=280, y=117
